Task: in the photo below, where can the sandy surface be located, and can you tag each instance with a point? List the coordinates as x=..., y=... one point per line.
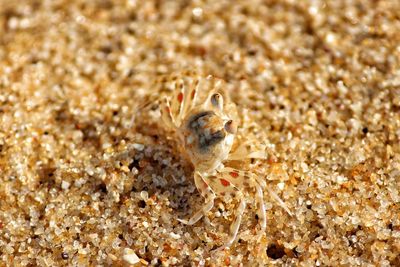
x=81, y=185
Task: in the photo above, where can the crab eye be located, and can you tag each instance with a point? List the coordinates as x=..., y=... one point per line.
x=230, y=127
x=216, y=100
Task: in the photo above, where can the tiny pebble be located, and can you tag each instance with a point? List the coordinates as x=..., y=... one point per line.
x=130, y=256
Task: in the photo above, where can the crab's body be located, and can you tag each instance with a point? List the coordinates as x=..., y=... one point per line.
x=205, y=143
x=198, y=110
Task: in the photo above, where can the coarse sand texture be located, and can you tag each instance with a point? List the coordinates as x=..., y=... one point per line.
x=89, y=178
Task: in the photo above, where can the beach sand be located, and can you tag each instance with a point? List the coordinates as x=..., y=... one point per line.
x=82, y=185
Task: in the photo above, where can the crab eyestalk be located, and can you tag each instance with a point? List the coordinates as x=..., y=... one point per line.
x=217, y=101
x=231, y=127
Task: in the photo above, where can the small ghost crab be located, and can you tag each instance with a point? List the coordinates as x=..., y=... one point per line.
x=199, y=111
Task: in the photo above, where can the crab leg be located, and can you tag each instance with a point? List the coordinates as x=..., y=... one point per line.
x=229, y=180
x=234, y=229
x=166, y=114
x=261, y=209
x=177, y=101
x=245, y=180
x=248, y=149
x=206, y=192
x=189, y=94
x=222, y=186
x=279, y=200
x=273, y=194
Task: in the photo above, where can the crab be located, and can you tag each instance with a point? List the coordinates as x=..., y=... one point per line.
x=205, y=121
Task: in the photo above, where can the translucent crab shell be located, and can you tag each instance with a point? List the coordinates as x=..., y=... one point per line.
x=204, y=118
